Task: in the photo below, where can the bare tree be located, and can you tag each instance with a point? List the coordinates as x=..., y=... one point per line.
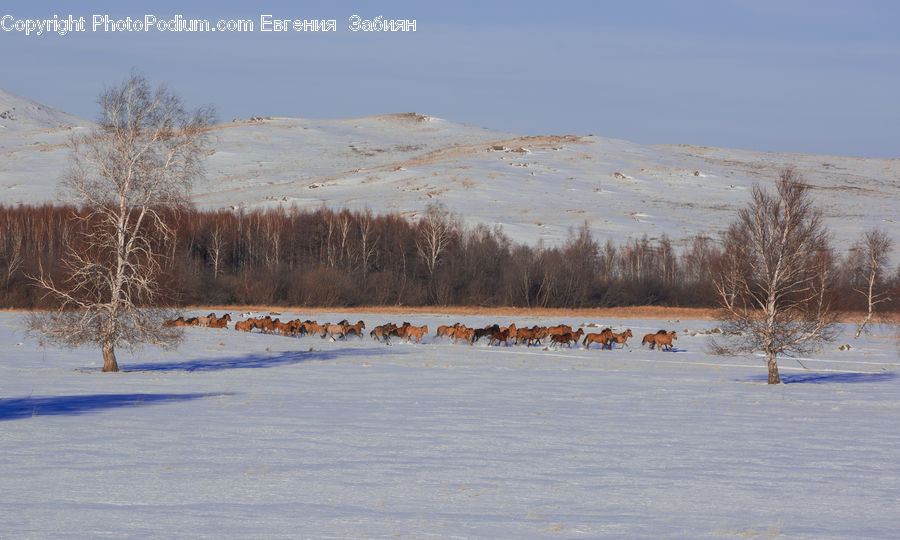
x=368, y=241
x=141, y=159
x=330, y=247
x=272, y=239
x=868, y=257
x=437, y=230
x=215, y=244
x=774, y=279
x=344, y=223
x=11, y=241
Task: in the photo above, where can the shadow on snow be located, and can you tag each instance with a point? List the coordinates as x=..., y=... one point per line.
x=825, y=378
x=254, y=360
x=18, y=408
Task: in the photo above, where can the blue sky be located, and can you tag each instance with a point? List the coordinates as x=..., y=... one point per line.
x=807, y=77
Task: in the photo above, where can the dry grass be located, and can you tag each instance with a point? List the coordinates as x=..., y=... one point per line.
x=630, y=312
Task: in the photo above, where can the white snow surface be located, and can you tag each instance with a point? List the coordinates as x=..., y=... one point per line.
x=257, y=436
x=537, y=188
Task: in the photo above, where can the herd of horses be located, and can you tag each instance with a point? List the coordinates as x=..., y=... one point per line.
x=210, y=321
x=494, y=334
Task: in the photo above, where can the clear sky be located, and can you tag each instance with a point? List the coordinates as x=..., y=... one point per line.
x=784, y=76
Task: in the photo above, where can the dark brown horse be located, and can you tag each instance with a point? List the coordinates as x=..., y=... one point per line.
x=566, y=337
x=383, y=332
x=500, y=337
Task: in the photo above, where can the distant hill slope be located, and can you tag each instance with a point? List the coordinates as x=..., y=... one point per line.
x=18, y=113
x=536, y=188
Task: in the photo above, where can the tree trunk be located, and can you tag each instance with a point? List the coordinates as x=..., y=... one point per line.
x=109, y=357
x=773, y=371
x=863, y=324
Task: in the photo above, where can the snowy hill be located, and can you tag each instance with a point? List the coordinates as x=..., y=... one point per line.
x=535, y=187
x=18, y=113
x=33, y=152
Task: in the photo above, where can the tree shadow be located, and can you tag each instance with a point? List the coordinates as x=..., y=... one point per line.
x=18, y=408
x=255, y=361
x=827, y=378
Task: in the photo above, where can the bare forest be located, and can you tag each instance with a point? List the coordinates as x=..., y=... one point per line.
x=334, y=258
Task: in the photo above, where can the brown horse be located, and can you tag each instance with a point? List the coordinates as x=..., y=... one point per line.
x=332, y=330
x=416, y=332
x=175, y=322
x=513, y=331
x=525, y=334
x=559, y=329
x=270, y=325
x=620, y=338
x=294, y=328
x=313, y=328
x=650, y=339
x=286, y=329
x=660, y=339
x=664, y=341
x=463, y=333
x=265, y=324
x=500, y=337
x=602, y=338
x=220, y=322
x=532, y=336
x=245, y=326
x=446, y=331
x=355, y=329
x=401, y=331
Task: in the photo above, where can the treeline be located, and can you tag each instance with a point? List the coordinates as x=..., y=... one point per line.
x=344, y=259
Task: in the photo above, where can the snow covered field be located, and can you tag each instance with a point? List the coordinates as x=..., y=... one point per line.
x=256, y=436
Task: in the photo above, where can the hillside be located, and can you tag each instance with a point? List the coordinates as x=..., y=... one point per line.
x=536, y=187
x=18, y=113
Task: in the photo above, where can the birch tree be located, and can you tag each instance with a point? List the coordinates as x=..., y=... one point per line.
x=774, y=279
x=139, y=162
x=869, y=257
x=437, y=230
